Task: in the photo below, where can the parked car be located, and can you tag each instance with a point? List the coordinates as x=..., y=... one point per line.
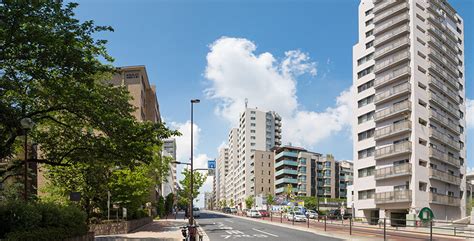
x=334, y=214
x=245, y=212
x=312, y=214
x=226, y=210
x=196, y=212
x=233, y=210
x=264, y=213
x=297, y=216
x=253, y=213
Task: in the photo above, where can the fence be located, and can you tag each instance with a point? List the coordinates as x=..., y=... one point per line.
x=378, y=226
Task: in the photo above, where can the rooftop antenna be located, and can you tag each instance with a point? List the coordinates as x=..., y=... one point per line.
x=246, y=102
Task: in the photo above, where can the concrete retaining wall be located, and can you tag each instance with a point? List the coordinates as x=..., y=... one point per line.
x=87, y=237
x=119, y=227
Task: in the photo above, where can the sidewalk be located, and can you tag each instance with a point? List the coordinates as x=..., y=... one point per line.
x=158, y=230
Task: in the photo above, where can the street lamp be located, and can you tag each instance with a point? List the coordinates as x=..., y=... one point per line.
x=191, y=197
x=26, y=125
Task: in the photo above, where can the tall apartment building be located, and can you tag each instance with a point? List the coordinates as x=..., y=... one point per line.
x=345, y=177
x=233, y=148
x=262, y=173
x=222, y=173
x=169, y=145
x=409, y=133
x=286, y=169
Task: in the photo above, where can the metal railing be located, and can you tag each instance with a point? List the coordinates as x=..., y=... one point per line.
x=393, y=197
x=444, y=157
x=384, y=63
x=393, y=171
x=443, y=102
x=380, y=80
x=444, y=176
x=441, y=72
x=396, y=108
x=444, y=199
x=383, y=4
x=443, y=87
x=448, y=45
x=381, y=28
x=394, y=149
x=382, y=16
x=445, y=122
x=449, y=64
x=443, y=138
x=391, y=34
x=406, y=87
x=389, y=47
x=440, y=24
x=392, y=129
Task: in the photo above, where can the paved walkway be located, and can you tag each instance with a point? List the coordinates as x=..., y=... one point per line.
x=158, y=230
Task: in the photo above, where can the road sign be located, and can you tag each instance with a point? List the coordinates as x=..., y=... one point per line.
x=211, y=164
x=211, y=172
x=426, y=214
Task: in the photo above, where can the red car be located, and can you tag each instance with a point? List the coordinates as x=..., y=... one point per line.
x=264, y=213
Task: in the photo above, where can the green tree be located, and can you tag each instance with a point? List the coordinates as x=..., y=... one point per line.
x=249, y=201
x=199, y=180
x=223, y=203
x=169, y=201
x=289, y=192
x=232, y=204
x=270, y=200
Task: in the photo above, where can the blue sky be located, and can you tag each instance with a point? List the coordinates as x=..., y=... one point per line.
x=173, y=38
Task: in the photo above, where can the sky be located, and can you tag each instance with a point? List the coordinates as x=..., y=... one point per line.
x=293, y=57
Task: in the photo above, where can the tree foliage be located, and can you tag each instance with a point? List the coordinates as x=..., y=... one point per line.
x=199, y=180
x=249, y=201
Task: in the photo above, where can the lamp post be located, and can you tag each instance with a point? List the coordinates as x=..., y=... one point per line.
x=26, y=125
x=191, y=217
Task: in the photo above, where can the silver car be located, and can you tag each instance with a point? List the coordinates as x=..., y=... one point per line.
x=296, y=216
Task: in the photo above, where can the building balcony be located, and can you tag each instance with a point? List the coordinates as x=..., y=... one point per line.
x=401, y=196
x=391, y=12
x=444, y=121
x=443, y=88
x=286, y=180
x=443, y=102
x=394, y=46
x=286, y=154
x=391, y=61
x=279, y=190
x=393, y=171
x=393, y=150
x=440, y=24
x=392, y=76
x=395, y=92
x=444, y=157
x=444, y=199
x=383, y=5
x=286, y=171
x=450, y=12
x=448, y=47
x=443, y=138
x=393, y=130
x=450, y=79
x=402, y=108
x=391, y=35
x=286, y=163
x=437, y=56
x=444, y=177
x=394, y=22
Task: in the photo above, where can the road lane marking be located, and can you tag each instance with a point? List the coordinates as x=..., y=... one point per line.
x=229, y=221
x=265, y=232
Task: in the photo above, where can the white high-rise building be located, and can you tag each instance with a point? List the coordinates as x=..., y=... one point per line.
x=258, y=130
x=409, y=126
x=169, y=146
x=233, y=146
x=221, y=174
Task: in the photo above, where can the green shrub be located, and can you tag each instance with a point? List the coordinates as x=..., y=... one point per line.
x=26, y=221
x=160, y=206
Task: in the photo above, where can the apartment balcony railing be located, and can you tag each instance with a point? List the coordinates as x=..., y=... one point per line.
x=386, y=63
x=443, y=103
x=392, y=46
x=450, y=79
x=443, y=138
x=286, y=163
x=401, y=196
x=392, y=76
x=393, y=150
x=400, y=108
x=392, y=93
x=392, y=130
x=390, y=12
x=448, y=45
x=445, y=122
x=393, y=171
x=450, y=93
x=391, y=23
x=439, y=23
x=450, y=12
x=389, y=35
x=382, y=5
x=286, y=154
x=286, y=171
x=444, y=157
x=444, y=177
x=436, y=55
x=286, y=181
x=444, y=199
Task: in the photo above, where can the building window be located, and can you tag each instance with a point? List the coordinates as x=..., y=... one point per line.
x=367, y=194
x=365, y=59
x=252, y=124
x=368, y=12
x=369, y=33
x=366, y=134
x=366, y=153
x=365, y=172
x=365, y=86
x=369, y=22
x=367, y=100
x=366, y=117
x=365, y=72
x=369, y=44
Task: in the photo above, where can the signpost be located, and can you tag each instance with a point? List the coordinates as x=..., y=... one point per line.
x=211, y=168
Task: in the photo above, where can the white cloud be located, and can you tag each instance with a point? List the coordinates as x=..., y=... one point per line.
x=183, y=142
x=470, y=113
x=236, y=72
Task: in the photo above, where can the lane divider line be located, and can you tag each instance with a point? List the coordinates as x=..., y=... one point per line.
x=265, y=232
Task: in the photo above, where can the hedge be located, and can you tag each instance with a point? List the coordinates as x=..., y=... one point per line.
x=40, y=221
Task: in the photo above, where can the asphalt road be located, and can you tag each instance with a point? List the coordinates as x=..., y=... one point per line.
x=220, y=227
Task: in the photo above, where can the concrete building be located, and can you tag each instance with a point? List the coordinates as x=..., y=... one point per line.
x=345, y=177
x=262, y=173
x=258, y=130
x=221, y=174
x=208, y=201
x=286, y=169
x=409, y=125
x=169, y=145
x=233, y=148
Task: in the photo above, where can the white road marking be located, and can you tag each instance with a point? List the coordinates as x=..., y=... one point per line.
x=234, y=232
x=265, y=232
x=229, y=221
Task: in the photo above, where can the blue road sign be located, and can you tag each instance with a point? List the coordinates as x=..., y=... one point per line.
x=211, y=164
